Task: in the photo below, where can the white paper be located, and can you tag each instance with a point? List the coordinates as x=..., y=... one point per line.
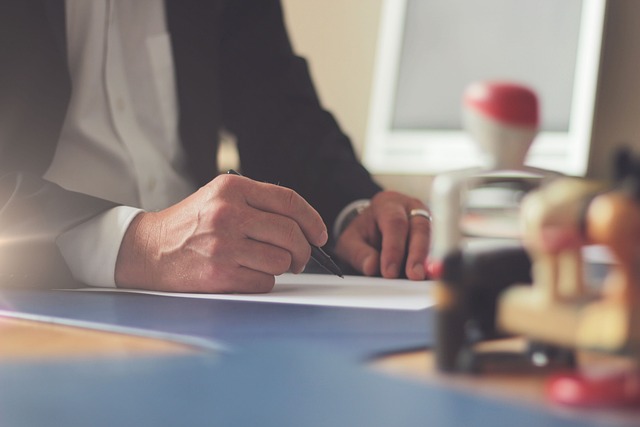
x=326, y=290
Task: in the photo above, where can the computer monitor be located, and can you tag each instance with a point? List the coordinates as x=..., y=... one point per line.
x=429, y=51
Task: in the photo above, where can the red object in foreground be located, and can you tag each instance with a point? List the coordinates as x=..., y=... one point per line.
x=615, y=390
x=433, y=268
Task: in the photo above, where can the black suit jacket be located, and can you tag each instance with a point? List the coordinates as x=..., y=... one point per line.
x=235, y=69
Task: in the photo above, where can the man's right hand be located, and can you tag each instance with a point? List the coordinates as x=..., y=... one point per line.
x=232, y=235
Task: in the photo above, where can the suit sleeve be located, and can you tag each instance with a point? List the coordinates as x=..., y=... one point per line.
x=34, y=93
x=270, y=104
x=33, y=213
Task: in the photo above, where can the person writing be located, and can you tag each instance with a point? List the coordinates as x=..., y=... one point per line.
x=110, y=117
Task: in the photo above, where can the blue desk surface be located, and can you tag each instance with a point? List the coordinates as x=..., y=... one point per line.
x=275, y=385
x=287, y=365
x=230, y=324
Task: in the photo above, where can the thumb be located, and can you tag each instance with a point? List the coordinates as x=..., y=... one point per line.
x=363, y=257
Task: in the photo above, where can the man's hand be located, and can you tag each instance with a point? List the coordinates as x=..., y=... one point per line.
x=232, y=235
x=383, y=239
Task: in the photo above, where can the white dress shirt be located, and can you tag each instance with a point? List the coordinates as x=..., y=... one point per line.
x=120, y=138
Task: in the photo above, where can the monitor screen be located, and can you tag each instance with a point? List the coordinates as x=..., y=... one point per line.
x=429, y=51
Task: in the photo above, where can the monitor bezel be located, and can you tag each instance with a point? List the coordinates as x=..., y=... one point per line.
x=431, y=151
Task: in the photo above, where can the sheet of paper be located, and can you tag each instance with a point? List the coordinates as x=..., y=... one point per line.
x=327, y=290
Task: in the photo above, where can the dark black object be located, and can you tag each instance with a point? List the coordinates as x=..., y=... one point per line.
x=473, y=280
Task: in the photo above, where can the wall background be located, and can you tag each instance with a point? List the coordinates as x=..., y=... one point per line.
x=338, y=38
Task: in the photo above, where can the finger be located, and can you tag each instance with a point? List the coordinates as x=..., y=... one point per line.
x=221, y=274
x=243, y=280
x=557, y=238
x=359, y=242
x=280, y=232
x=284, y=201
x=262, y=257
x=394, y=227
x=418, y=247
x=353, y=248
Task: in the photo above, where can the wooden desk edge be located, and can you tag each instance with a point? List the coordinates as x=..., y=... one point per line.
x=522, y=388
x=22, y=339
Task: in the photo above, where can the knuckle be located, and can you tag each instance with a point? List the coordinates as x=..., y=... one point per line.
x=382, y=195
x=220, y=185
x=290, y=199
x=416, y=202
x=291, y=233
x=398, y=222
x=214, y=250
x=225, y=186
x=281, y=263
x=221, y=212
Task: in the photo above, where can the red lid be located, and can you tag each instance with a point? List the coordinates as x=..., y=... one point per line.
x=575, y=389
x=433, y=268
x=509, y=103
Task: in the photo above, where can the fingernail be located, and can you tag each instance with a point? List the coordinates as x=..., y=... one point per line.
x=392, y=270
x=418, y=270
x=324, y=237
x=368, y=266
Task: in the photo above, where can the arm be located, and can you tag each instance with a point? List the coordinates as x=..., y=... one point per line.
x=203, y=243
x=286, y=137
x=33, y=213
x=270, y=104
x=232, y=235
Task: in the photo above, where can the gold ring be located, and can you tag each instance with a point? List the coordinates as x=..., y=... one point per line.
x=420, y=212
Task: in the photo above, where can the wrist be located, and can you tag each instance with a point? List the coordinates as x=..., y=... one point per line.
x=348, y=214
x=133, y=267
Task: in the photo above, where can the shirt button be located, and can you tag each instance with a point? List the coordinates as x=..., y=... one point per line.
x=151, y=184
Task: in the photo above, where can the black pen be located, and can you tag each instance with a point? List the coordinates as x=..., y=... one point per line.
x=320, y=256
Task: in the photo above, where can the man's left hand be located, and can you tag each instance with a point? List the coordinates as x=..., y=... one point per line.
x=386, y=240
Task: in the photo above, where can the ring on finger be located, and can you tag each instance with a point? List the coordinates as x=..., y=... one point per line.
x=420, y=212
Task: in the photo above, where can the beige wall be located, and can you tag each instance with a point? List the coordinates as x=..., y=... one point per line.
x=338, y=38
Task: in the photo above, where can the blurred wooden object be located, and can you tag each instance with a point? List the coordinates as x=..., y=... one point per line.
x=558, y=308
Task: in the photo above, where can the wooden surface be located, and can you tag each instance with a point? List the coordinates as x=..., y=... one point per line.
x=28, y=340
x=515, y=385
x=420, y=366
x=519, y=388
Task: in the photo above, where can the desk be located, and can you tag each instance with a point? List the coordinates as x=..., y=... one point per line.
x=31, y=340
x=22, y=340
x=25, y=339
x=519, y=386
x=105, y=378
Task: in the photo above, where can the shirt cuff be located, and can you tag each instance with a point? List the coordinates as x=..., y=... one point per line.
x=348, y=214
x=91, y=248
